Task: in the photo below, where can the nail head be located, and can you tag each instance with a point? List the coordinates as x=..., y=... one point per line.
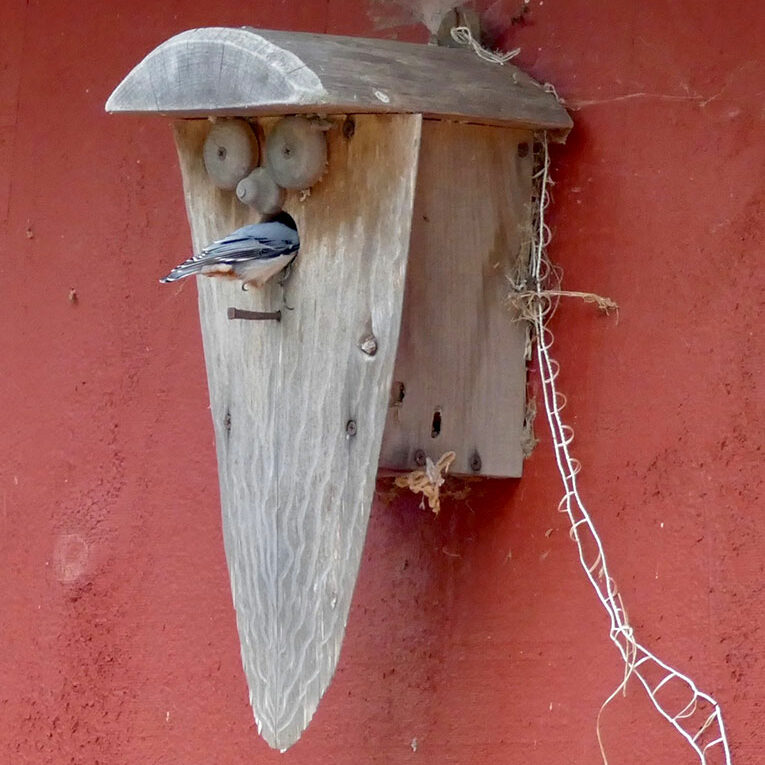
x=368, y=345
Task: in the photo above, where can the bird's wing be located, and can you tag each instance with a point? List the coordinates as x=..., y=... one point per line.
x=247, y=249
x=258, y=240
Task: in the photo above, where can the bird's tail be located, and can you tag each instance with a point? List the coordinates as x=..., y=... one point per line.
x=189, y=268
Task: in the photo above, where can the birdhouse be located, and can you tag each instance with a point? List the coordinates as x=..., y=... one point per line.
x=408, y=171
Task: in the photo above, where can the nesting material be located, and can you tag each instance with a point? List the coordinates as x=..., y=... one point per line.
x=528, y=302
x=296, y=152
x=230, y=151
x=429, y=480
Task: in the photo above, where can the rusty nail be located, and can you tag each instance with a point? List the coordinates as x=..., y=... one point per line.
x=368, y=344
x=349, y=127
x=419, y=458
x=475, y=462
x=239, y=313
x=350, y=427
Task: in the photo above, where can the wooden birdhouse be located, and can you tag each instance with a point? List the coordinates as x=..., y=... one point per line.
x=408, y=170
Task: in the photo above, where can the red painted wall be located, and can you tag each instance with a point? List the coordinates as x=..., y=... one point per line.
x=474, y=633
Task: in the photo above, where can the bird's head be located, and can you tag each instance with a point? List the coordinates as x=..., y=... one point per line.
x=281, y=217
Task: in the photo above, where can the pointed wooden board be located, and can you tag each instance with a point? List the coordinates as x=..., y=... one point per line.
x=296, y=488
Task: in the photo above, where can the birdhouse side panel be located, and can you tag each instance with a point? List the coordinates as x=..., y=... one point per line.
x=460, y=376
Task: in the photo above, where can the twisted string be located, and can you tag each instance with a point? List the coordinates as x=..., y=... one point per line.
x=463, y=36
x=700, y=721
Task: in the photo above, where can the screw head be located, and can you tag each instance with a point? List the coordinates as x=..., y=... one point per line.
x=475, y=462
x=419, y=458
x=350, y=427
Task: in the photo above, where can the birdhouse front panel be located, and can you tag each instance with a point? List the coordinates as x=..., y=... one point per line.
x=299, y=405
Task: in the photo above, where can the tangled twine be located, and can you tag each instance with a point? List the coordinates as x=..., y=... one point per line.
x=428, y=481
x=463, y=36
x=528, y=302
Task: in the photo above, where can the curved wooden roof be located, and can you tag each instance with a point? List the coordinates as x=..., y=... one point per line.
x=246, y=71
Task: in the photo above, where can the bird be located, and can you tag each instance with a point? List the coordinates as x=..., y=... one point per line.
x=253, y=253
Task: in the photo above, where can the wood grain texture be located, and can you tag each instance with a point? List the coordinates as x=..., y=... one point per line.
x=296, y=489
x=460, y=352
x=255, y=72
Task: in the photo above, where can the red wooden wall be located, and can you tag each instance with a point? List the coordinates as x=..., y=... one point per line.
x=474, y=633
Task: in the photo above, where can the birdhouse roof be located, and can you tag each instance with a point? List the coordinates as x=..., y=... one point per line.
x=244, y=71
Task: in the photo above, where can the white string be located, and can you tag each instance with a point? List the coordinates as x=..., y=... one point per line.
x=638, y=660
x=463, y=36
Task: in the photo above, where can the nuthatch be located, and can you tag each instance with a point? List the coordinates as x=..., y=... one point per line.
x=252, y=253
